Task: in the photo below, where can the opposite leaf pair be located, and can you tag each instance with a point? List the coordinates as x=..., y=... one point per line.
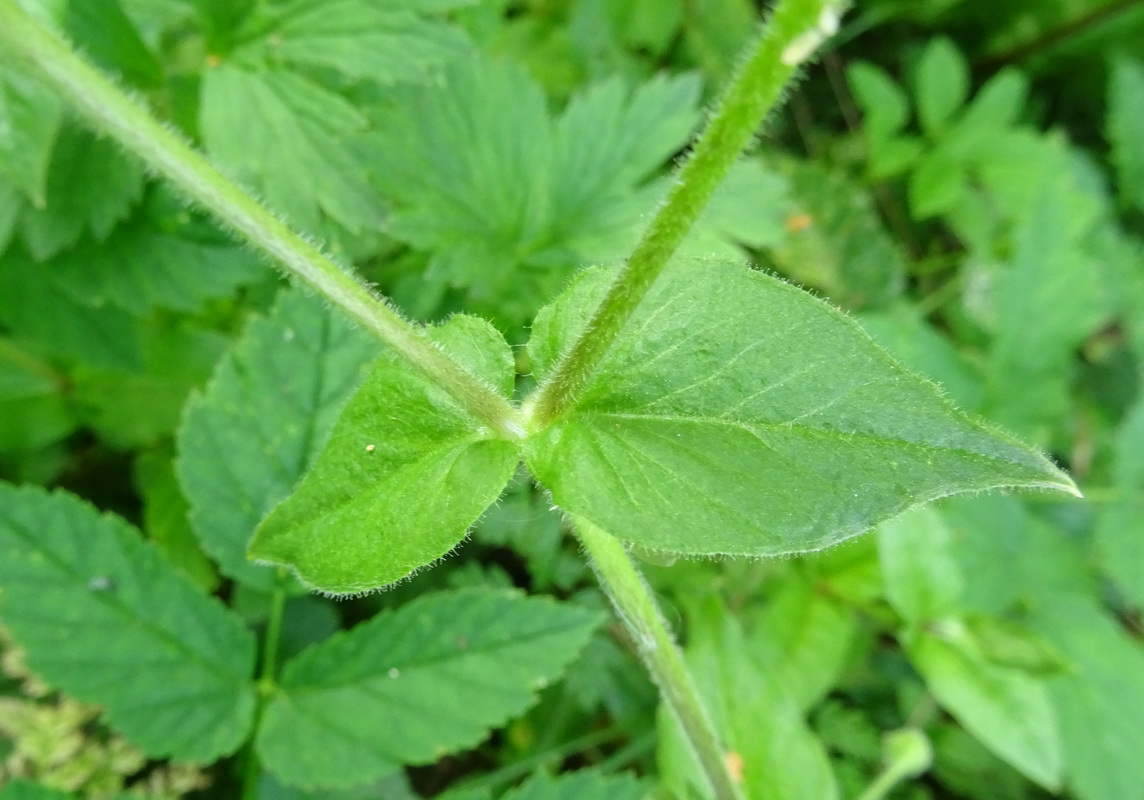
x=735, y=415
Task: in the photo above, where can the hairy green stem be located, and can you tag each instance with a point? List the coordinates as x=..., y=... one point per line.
x=111, y=111
x=636, y=606
x=790, y=37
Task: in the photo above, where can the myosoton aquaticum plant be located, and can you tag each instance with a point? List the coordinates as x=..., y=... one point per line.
x=684, y=405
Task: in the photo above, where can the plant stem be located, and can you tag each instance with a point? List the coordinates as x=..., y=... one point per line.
x=636, y=606
x=267, y=679
x=790, y=37
x=111, y=111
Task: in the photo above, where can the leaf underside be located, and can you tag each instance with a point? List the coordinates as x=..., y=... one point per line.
x=739, y=415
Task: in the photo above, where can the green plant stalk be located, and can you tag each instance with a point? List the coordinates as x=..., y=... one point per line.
x=111, y=111
x=267, y=679
x=790, y=37
x=636, y=607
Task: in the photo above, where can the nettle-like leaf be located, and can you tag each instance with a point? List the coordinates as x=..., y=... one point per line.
x=410, y=685
x=91, y=187
x=407, y=470
x=736, y=414
x=251, y=436
x=91, y=603
x=506, y=197
x=296, y=148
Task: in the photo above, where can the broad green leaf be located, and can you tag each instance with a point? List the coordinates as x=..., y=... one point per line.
x=288, y=138
x=508, y=199
x=260, y=424
x=923, y=579
x=405, y=473
x=583, y=785
x=383, y=42
x=835, y=241
x=715, y=32
x=413, y=684
x=804, y=636
x=739, y=415
x=91, y=188
x=1099, y=702
x=942, y=84
x=1125, y=128
x=1007, y=709
x=103, y=617
x=30, y=115
x=757, y=717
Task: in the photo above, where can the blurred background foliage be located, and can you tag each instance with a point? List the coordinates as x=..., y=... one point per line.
x=965, y=177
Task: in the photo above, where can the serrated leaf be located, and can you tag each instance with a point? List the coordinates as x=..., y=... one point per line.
x=91, y=188
x=92, y=605
x=582, y=785
x=410, y=685
x=1008, y=710
x=362, y=40
x=286, y=136
x=251, y=436
x=740, y=415
x=30, y=116
x=508, y=199
x=942, y=84
x=1125, y=124
x=759, y=721
x=404, y=475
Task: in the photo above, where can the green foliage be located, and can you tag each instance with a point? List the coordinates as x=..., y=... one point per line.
x=431, y=468
x=252, y=435
x=389, y=692
x=965, y=178
x=800, y=401
x=92, y=604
